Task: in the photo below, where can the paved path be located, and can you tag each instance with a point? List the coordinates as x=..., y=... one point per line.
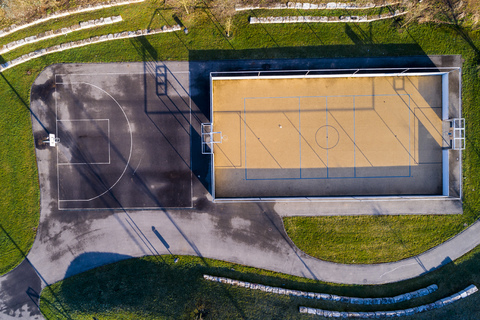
x=250, y=234
x=70, y=242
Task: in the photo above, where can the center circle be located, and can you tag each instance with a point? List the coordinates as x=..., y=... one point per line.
x=327, y=137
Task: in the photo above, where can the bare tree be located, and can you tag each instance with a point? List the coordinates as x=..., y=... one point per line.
x=224, y=10
x=186, y=5
x=455, y=12
x=228, y=25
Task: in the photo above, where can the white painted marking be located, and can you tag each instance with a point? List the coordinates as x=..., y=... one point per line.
x=405, y=265
x=108, y=139
x=129, y=156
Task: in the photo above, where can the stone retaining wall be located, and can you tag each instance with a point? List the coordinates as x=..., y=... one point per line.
x=324, y=296
x=81, y=43
x=313, y=6
x=112, y=3
x=397, y=313
x=55, y=33
x=324, y=19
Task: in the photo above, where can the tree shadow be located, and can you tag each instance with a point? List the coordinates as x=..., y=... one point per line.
x=24, y=103
x=168, y=290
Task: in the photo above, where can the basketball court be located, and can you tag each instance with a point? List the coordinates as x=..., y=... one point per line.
x=328, y=136
x=122, y=139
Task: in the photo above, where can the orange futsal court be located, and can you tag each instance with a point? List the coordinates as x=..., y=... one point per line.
x=327, y=136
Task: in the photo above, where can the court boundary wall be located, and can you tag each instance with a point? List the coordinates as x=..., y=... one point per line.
x=350, y=73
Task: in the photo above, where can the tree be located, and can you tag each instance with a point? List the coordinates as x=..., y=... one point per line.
x=184, y=4
x=228, y=25
x=224, y=10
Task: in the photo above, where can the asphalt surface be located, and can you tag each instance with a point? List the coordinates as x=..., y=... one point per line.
x=71, y=241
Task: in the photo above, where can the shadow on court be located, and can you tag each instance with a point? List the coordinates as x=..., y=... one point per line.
x=173, y=106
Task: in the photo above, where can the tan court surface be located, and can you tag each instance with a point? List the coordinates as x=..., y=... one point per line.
x=328, y=136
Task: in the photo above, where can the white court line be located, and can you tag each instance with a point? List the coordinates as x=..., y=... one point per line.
x=113, y=73
x=108, y=139
x=80, y=163
x=120, y=208
x=128, y=160
x=93, y=119
x=190, y=138
x=56, y=132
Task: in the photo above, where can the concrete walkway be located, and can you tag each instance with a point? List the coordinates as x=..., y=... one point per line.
x=250, y=234
x=72, y=241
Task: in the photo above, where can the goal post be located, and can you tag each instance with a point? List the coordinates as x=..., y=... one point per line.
x=458, y=134
x=209, y=138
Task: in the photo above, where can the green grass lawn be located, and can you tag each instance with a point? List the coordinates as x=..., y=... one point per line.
x=158, y=288
x=19, y=196
x=370, y=239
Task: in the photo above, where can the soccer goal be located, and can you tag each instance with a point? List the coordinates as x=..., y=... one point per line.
x=209, y=138
x=457, y=133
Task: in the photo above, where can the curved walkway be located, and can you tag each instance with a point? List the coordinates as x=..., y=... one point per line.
x=70, y=242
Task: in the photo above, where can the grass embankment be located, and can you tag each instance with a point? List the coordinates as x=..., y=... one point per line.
x=369, y=239
x=157, y=288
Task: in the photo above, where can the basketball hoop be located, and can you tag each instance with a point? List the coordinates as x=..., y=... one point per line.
x=51, y=140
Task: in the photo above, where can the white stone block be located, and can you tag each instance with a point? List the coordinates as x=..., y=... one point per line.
x=356, y=301
x=327, y=313
x=421, y=308
x=331, y=5
x=336, y=298
x=431, y=288
x=336, y=314
x=30, y=39
x=325, y=296
x=117, y=18
x=471, y=289
x=311, y=311
x=303, y=309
